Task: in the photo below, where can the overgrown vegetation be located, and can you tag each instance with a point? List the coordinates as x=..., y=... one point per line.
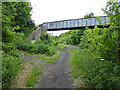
x=16, y=26
x=97, y=63
x=34, y=77
x=42, y=46
x=71, y=37
x=10, y=68
x=48, y=59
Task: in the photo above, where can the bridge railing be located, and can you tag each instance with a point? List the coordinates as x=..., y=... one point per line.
x=82, y=22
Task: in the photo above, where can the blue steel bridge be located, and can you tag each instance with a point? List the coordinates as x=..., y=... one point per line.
x=75, y=23
x=70, y=24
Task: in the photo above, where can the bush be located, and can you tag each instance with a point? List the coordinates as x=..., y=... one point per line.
x=104, y=41
x=7, y=47
x=71, y=37
x=10, y=68
x=103, y=74
x=51, y=51
x=95, y=71
x=10, y=49
x=24, y=45
x=39, y=47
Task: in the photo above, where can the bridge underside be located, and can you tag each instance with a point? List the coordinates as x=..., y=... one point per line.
x=76, y=28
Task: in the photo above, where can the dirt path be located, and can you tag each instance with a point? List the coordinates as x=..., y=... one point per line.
x=55, y=75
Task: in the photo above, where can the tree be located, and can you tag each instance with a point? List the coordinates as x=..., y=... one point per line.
x=16, y=17
x=112, y=9
x=89, y=15
x=8, y=13
x=23, y=18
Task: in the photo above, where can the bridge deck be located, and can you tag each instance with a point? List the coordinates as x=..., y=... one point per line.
x=75, y=23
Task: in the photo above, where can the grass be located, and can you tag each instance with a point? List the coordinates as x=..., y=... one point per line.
x=28, y=75
x=0, y=45
x=0, y=67
x=48, y=59
x=0, y=54
x=61, y=46
x=25, y=71
x=79, y=64
x=34, y=77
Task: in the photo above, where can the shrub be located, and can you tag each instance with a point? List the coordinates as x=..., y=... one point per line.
x=51, y=51
x=103, y=74
x=23, y=45
x=7, y=47
x=10, y=68
x=39, y=48
x=96, y=72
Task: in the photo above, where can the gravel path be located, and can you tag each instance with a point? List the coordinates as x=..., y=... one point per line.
x=56, y=75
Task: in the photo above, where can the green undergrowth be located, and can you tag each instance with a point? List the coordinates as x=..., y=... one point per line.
x=0, y=70
x=60, y=46
x=39, y=47
x=0, y=45
x=10, y=68
x=43, y=57
x=0, y=54
x=95, y=71
x=79, y=62
x=49, y=59
x=35, y=75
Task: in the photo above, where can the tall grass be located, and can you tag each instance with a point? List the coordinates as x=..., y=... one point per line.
x=93, y=70
x=80, y=62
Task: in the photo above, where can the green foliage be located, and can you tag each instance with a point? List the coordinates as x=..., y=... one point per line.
x=32, y=79
x=112, y=9
x=46, y=39
x=16, y=19
x=23, y=18
x=101, y=41
x=7, y=15
x=10, y=49
x=23, y=45
x=105, y=41
x=60, y=46
x=89, y=15
x=71, y=37
x=37, y=48
x=98, y=60
x=10, y=68
x=103, y=74
x=95, y=71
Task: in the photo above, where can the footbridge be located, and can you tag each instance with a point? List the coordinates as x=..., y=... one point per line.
x=80, y=23
x=70, y=24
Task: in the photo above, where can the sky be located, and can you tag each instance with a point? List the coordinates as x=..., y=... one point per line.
x=56, y=10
